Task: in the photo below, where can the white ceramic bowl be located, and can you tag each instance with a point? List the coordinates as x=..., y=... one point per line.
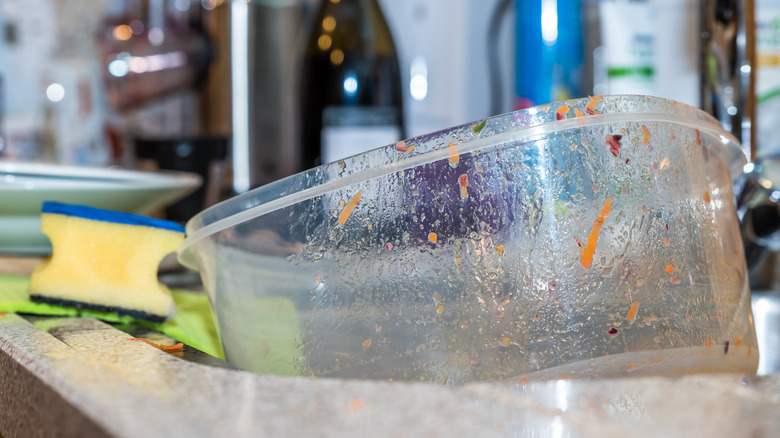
x=25, y=186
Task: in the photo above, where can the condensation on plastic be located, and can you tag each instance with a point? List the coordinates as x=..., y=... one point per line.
x=461, y=255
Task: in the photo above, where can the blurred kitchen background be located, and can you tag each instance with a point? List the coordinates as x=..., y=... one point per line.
x=212, y=86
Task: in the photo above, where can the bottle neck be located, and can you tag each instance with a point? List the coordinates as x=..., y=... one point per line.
x=339, y=24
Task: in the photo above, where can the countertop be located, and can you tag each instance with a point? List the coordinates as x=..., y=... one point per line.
x=82, y=377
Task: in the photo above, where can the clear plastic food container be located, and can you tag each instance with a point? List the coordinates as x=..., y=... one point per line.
x=593, y=237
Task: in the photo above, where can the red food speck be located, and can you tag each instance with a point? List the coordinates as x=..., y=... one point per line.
x=612, y=331
x=591, y=107
x=367, y=343
x=613, y=141
x=463, y=181
x=402, y=147
x=389, y=245
x=560, y=113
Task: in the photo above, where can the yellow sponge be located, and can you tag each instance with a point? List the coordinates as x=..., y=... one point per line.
x=105, y=260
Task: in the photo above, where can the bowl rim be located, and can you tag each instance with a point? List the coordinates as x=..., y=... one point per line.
x=686, y=115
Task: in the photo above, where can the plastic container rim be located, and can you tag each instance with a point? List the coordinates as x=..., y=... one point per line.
x=708, y=126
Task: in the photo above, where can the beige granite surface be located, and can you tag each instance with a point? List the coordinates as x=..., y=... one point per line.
x=81, y=377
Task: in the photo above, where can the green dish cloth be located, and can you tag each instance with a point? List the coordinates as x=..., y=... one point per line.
x=192, y=325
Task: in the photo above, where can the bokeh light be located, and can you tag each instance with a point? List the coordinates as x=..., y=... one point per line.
x=55, y=92
x=123, y=32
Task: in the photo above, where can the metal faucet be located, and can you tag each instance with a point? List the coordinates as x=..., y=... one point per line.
x=726, y=65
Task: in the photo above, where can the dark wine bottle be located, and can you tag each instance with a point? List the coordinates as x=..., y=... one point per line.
x=351, y=99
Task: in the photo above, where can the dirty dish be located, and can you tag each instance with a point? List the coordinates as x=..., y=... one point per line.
x=592, y=237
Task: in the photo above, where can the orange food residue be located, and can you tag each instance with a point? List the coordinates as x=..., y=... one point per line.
x=578, y=113
x=347, y=211
x=669, y=269
x=367, y=343
x=433, y=237
x=402, y=147
x=586, y=258
x=666, y=241
x=356, y=404
x=706, y=196
x=591, y=107
x=737, y=342
x=560, y=113
x=709, y=342
x=500, y=250
x=454, y=155
x=632, y=311
x=168, y=348
x=506, y=341
x=439, y=309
